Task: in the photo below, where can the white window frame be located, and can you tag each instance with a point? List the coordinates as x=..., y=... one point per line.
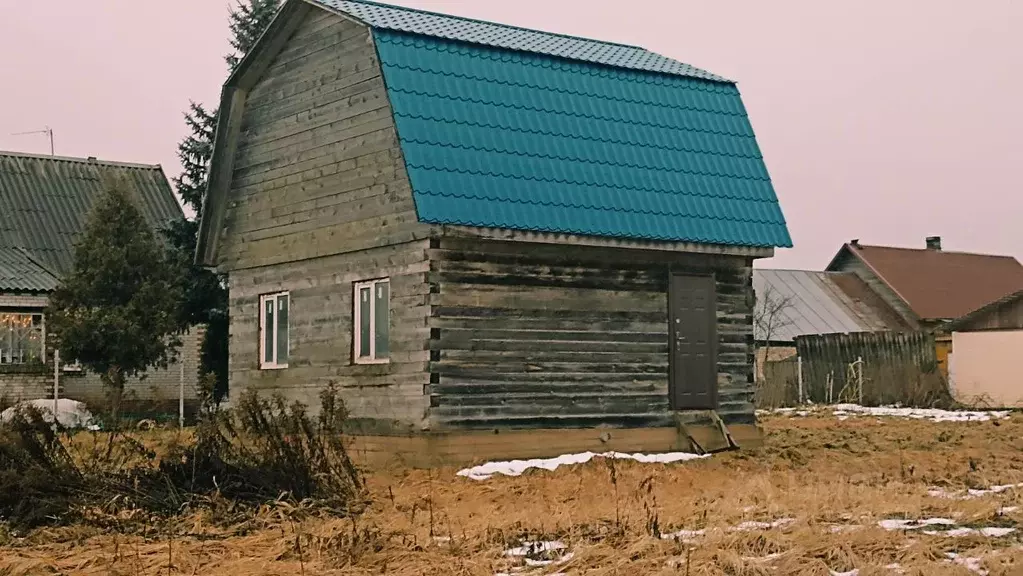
x=357, y=324
x=263, y=299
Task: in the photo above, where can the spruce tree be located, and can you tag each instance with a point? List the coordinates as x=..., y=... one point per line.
x=205, y=295
x=117, y=311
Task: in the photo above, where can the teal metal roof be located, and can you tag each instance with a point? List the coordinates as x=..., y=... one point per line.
x=496, y=138
x=399, y=19
x=45, y=202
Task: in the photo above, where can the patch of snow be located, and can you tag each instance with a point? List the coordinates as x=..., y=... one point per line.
x=70, y=413
x=1007, y=509
x=535, y=548
x=903, y=524
x=684, y=536
x=896, y=567
x=517, y=467
x=853, y=572
x=988, y=531
x=932, y=414
x=972, y=492
x=565, y=558
x=751, y=525
x=971, y=564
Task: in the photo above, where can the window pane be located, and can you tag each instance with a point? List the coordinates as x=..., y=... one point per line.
x=382, y=318
x=364, y=318
x=282, y=328
x=21, y=338
x=268, y=331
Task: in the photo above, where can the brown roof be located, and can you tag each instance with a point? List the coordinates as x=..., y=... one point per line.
x=937, y=284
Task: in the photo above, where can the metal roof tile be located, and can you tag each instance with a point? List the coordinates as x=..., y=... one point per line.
x=400, y=19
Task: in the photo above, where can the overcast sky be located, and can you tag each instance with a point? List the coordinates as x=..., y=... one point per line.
x=879, y=120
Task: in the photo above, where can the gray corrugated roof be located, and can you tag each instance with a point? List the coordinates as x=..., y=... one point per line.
x=816, y=305
x=46, y=200
x=402, y=19
x=19, y=273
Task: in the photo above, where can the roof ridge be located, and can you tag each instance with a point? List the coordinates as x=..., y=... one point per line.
x=942, y=251
x=78, y=159
x=493, y=23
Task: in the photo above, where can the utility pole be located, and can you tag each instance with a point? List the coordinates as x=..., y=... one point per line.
x=46, y=130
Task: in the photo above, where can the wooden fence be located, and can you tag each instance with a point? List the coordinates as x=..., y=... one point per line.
x=872, y=368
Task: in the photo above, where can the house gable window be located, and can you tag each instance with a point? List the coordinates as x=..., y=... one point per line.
x=372, y=321
x=22, y=338
x=273, y=330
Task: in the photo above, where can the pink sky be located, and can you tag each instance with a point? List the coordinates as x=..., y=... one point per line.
x=879, y=120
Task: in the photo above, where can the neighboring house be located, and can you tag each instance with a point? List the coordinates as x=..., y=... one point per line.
x=984, y=359
x=476, y=227
x=929, y=287
x=45, y=202
x=792, y=303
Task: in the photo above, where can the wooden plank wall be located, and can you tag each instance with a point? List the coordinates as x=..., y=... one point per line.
x=318, y=169
x=898, y=367
x=320, y=199
x=382, y=398
x=547, y=336
x=1006, y=316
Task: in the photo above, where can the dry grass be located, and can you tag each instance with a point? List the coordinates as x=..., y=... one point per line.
x=817, y=470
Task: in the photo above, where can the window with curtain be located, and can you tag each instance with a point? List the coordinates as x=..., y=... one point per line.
x=22, y=338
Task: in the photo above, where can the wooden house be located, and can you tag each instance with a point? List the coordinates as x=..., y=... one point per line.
x=929, y=287
x=44, y=205
x=498, y=242
x=984, y=351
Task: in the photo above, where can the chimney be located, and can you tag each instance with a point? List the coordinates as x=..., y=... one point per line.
x=855, y=241
x=934, y=242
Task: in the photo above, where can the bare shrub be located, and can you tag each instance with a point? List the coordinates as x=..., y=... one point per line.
x=265, y=452
x=266, y=448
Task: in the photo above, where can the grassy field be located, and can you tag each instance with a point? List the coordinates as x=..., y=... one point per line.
x=823, y=497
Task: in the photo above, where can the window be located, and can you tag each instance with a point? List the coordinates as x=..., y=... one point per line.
x=372, y=321
x=22, y=335
x=273, y=330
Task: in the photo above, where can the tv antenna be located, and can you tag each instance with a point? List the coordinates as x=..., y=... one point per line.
x=46, y=130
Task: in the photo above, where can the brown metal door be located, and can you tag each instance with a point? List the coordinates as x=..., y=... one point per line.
x=692, y=366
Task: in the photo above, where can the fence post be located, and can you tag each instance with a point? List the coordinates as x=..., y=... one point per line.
x=799, y=376
x=181, y=393
x=859, y=376
x=56, y=381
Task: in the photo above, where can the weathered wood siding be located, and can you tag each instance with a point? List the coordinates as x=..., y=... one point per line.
x=382, y=397
x=1007, y=316
x=850, y=263
x=545, y=336
x=318, y=169
x=320, y=200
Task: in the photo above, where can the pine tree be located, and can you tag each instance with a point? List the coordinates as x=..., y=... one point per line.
x=117, y=311
x=205, y=297
x=248, y=22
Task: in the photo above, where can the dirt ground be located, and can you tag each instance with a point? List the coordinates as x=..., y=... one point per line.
x=812, y=501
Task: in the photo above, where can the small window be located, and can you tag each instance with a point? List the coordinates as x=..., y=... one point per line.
x=22, y=338
x=273, y=331
x=372, y=321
